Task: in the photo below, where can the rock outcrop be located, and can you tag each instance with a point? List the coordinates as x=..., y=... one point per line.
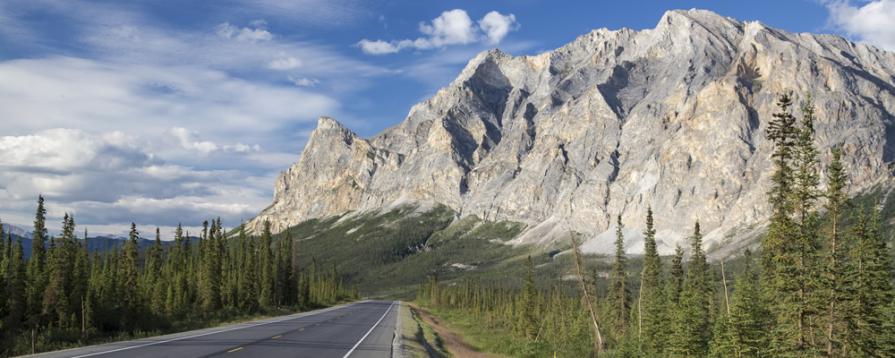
x=617, y=121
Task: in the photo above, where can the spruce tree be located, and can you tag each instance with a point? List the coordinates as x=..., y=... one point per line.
x=651, y=306
x=265, y=269
x=869, y=291
x=16, y=290
x=619, y=297
x=130, y=297
x=692, y=319
x=56, y=305
x=750, y=318
x=37, y=278
x=779, y=249
x=832, y=280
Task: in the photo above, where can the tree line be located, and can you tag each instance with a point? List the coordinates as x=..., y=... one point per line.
x=64, y=295
x=818, y=288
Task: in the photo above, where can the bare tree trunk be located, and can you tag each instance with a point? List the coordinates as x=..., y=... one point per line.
x=724, y=283
x=598, y=338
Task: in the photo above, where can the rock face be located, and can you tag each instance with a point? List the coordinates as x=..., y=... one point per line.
x=672, y=118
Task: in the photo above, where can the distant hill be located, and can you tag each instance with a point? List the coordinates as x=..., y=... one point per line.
x=97, y=244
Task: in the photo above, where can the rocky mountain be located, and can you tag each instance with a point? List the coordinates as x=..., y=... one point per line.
x=617, y=121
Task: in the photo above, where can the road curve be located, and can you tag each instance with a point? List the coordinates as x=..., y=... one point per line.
x=358, y=330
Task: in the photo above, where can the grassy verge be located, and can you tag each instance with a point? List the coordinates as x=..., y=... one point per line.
x=418, y=339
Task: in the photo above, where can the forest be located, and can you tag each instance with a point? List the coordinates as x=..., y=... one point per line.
x=64, y=295
x=820, y=285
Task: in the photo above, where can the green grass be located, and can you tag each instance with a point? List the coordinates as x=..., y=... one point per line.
x=390, y=253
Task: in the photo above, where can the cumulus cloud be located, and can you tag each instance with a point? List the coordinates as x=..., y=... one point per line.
x=496, y=26
x=873, y=22
x=112, y=178
x=377, y=47
x=452, y=27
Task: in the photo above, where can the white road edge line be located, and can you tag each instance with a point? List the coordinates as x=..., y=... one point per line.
x=370, y=331
x=215, y=332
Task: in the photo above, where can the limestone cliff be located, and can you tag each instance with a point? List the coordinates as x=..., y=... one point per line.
x=617, y=121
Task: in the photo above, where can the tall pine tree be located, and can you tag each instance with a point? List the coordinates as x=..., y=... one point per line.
x=651, y=308
x=619, y=296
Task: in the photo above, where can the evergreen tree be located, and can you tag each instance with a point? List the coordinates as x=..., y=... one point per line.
x=651, y=310
x=619, y=297
x=37, y=278
x=265, y=269
x=869, y=291
x=832, y=283
x=56, y=305
x=211, y=268
x=750, y=318
x=675, y=283
x=16, y=290
x=692, y=320
x=783, y=265
x=130, y=298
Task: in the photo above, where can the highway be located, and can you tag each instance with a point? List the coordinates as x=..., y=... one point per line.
x=359, y=330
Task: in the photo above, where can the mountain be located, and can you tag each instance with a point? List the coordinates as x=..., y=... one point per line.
x=99, y=243
x=615, y=122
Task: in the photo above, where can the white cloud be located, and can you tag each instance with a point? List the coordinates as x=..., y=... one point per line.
x=452, y=27
x=168, y=119
x=284, y=63
x=71, y=92
x=874, y=22
x=187, y=141
x=496, y=26
x=377, y=47
x=228, y=31
x=112, y=178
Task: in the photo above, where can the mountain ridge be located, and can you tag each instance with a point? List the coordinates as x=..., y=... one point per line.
x=614, y=122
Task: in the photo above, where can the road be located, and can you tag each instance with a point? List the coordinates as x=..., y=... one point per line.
x=359, y=330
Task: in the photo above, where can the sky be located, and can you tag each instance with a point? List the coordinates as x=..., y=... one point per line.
x=166, y=112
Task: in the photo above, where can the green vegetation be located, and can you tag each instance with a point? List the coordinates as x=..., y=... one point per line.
x=405, y=246
x=63, y=296
x=823, y=285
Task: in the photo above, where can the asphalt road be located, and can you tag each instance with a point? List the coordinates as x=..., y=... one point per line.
x=357, y=330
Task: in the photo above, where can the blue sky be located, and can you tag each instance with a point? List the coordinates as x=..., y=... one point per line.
x=171, y=111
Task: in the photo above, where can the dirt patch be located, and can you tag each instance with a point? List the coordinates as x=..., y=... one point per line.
x=451, y=340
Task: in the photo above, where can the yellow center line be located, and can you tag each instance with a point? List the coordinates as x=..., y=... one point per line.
x=234, y=350
x=275, y=337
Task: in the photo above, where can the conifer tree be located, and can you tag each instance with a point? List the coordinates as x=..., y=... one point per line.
x=750, y=318
x=651, y=308
x=4, y=268
x=869, y=277
x=265, y=269
x=619, y=297
x=56, y=306
x=781, y=246
x=130, y=298
x=37, y=277
x=692, y=319
x=16, y=294
x=832, y=281
x=675, y=283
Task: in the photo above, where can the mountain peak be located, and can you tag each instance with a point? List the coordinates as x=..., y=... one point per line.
x=616, y=122
x=325, y=122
